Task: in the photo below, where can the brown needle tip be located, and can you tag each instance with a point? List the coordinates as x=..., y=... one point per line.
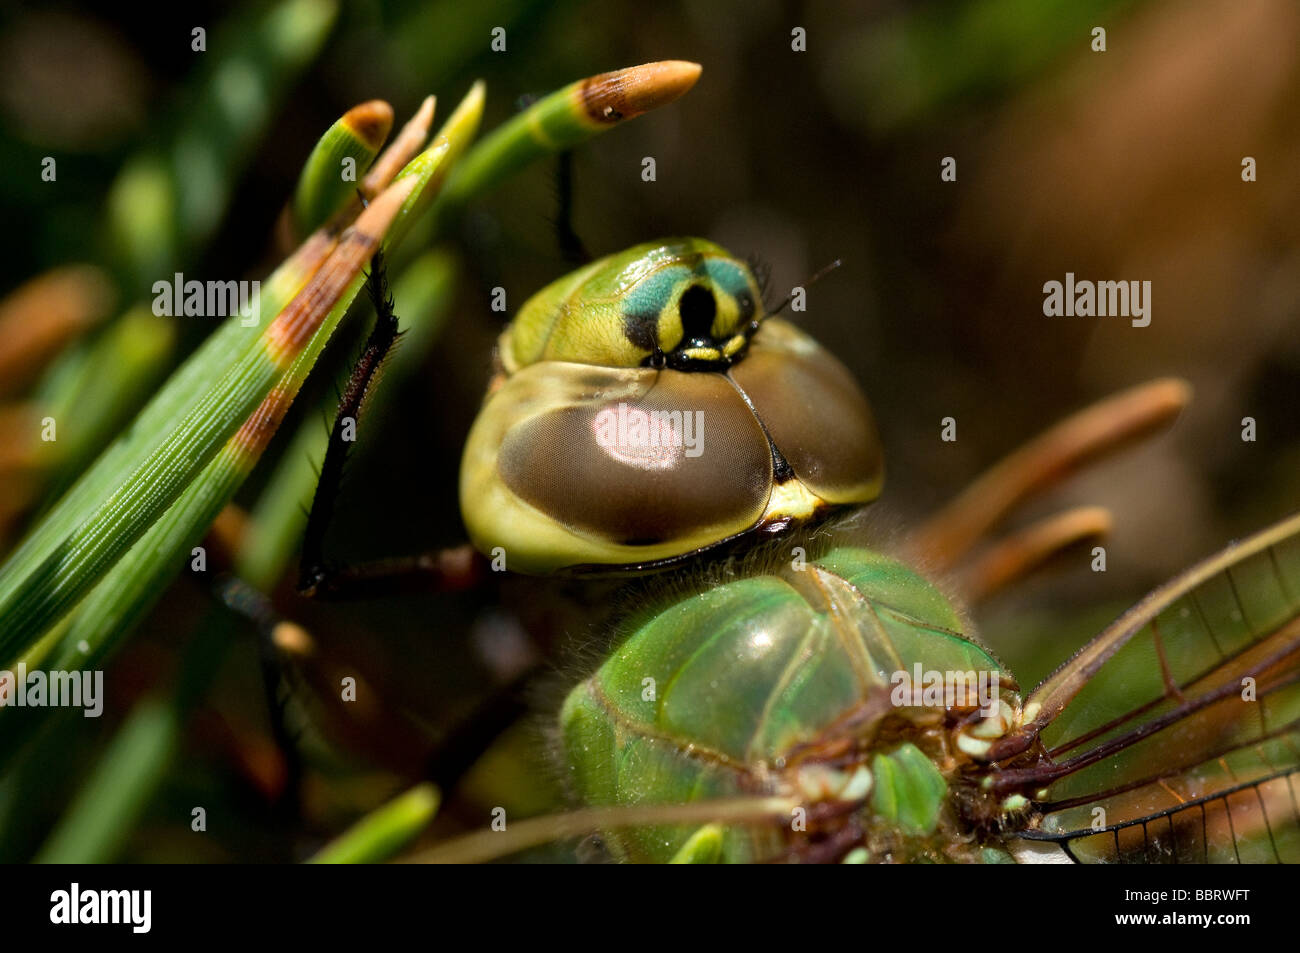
x=622, y=94
x=370, y=122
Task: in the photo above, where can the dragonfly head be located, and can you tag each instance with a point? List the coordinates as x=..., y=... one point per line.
x=646, y=411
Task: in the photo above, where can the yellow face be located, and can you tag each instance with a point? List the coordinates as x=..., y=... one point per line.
x=648, y=410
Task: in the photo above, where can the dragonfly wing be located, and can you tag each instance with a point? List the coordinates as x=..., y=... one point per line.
x=1175, y=734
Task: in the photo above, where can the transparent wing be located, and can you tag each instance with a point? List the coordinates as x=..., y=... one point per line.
x=1174, y=736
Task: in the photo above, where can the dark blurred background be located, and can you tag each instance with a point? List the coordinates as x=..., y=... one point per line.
x=1115, y=166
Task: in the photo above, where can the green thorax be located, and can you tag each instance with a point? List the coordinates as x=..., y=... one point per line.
x=766, y=681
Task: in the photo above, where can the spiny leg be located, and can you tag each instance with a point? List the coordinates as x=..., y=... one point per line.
x=447, y=569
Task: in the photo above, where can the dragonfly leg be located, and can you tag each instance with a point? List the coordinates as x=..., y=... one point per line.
x=571, y=246
x=452, y=569
x=442, y=570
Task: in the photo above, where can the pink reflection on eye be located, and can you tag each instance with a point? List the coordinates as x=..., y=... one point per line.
x=648, y=440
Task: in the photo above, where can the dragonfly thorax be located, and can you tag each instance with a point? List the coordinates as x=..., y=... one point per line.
x=777, y=681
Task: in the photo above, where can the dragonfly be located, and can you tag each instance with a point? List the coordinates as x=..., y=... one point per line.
x=768, y=691
x=780, y=689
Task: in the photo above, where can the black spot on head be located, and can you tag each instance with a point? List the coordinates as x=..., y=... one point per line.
x=642, y=329
x=697, y=308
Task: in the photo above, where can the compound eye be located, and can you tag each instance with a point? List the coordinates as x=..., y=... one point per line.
x=683, y=458
x=814, y=412
x=697, y=309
